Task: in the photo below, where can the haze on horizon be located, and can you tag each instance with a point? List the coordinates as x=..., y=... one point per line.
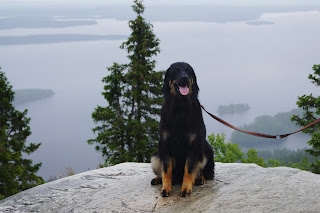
x=259, y=63
x=170, y=2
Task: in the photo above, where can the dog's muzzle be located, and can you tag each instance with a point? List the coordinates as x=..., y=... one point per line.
x=183, y=84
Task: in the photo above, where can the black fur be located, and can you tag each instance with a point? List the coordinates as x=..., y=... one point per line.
x=182, y=134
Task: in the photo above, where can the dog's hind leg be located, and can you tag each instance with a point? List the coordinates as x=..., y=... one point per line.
x=156, y=166
x=200, y=180
x=208, y=170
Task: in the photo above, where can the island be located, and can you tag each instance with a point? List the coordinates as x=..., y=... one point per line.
x=233, y=108
x=23, y=96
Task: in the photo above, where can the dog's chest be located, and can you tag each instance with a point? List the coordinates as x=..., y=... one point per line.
x=181, y=120
x=179, y=129
x=180, y=123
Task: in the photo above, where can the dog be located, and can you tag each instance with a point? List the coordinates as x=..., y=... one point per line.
x=183, y=155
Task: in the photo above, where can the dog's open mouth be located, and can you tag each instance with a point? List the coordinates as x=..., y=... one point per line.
x=183, y=85
x=184, y=90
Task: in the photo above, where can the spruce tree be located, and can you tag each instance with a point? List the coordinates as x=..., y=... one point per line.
x=128, y=126
x=16, y=172
x=310, y=104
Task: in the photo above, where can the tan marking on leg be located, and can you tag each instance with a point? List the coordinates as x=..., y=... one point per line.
x=200, y=180
x=195, y=177
x=203, y=163
x=188, y=180
x=167, y=180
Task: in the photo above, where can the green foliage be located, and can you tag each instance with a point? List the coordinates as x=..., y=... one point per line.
x=303, y=165
x=285, y=156
x=68, y=172
x=273, y=125
x=252, y=157
x=16, y=173
x=128, y=127
x=310, y=104
x=273, y=163
x=231, y=153
x=224, y=152
x=233, y=108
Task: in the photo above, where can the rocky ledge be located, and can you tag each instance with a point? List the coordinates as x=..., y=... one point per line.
x=126, y=188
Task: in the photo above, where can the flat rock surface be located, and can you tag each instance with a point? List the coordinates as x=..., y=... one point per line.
x=126, y=188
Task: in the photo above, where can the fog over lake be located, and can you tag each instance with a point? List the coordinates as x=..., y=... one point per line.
x=263, y=60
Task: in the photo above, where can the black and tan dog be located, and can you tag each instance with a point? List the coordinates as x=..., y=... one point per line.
x=183, y=156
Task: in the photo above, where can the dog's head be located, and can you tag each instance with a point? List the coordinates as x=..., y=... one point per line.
x=180, y=80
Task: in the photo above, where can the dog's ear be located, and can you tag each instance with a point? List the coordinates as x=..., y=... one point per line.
x=195, y=79
x=196, y=84
x=166, y=81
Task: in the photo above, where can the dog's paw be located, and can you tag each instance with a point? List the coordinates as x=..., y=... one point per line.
x=166, y=192
x=199, y=181
x=156, y=181
x=185, y=192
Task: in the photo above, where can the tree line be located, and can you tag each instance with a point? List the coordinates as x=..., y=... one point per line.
x=227, y=152
x=273, y=125
x=16, y=173
x=127, y=128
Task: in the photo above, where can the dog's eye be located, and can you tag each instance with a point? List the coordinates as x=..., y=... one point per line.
x=175, y=71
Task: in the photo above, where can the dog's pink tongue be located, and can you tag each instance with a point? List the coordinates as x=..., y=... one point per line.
x=184, y=90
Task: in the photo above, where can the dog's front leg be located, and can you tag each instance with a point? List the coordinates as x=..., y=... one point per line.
x=167, y=177
x=190, y=174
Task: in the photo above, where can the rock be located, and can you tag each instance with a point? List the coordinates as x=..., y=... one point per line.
x=126, y=188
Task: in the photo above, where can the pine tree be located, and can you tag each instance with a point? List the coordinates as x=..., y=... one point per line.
x=16, y=173
x=128, y=125
x=311, y=106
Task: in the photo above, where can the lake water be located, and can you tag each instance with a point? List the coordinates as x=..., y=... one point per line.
x=265, y=66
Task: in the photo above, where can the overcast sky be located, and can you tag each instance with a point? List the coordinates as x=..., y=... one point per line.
x=229, y=2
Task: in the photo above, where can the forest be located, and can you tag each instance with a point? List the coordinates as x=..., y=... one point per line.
x=273, y=125
x=228, y=152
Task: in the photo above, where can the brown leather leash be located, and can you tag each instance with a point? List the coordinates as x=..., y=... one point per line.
x=278, y=137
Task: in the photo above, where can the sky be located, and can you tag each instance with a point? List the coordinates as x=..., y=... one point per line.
x=176, y=2
x=235, y=63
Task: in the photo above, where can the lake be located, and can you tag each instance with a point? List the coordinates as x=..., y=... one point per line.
x=264, y=65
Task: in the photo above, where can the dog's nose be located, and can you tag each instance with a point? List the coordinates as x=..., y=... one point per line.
x=184, y=77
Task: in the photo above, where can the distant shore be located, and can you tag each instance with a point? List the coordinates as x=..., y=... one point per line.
x=23, y=96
